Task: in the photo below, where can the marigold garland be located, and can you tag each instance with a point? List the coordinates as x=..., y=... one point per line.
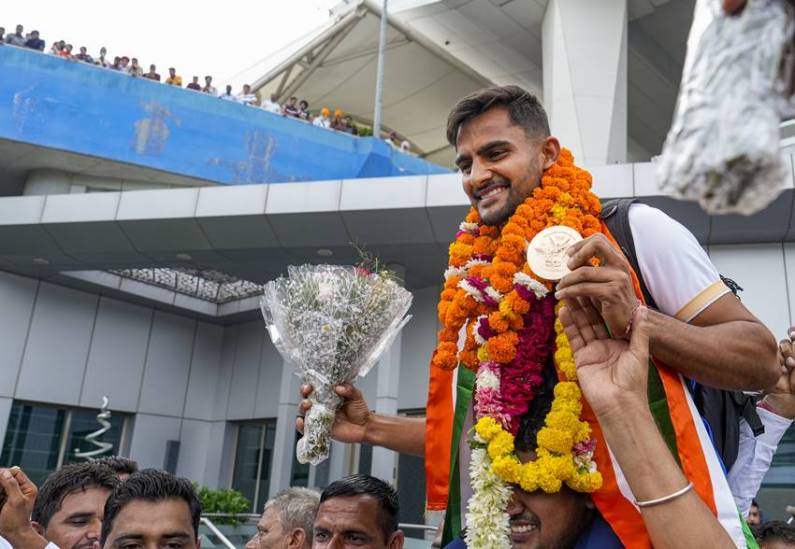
x=511, y=331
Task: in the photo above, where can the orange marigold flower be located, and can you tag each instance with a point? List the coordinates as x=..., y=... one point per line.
x=448, y=334
x=497, y=323
x=469, y=359
x=472, y=216
x=482, y=245
x=502, y=347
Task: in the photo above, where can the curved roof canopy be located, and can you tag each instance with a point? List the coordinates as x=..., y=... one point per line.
x=337, y=69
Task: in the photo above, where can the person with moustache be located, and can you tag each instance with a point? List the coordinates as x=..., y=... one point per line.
x=699, y=328
x=287, y=520
x=152, y=508
x=358, y=511
x=65, y=513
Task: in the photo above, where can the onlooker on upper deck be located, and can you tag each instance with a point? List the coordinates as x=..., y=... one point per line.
x=34, y=42
x=208, y=86
x=194, y=85
x=152, y=74
x=18, y=38
x=173, y=78
x=83, y=55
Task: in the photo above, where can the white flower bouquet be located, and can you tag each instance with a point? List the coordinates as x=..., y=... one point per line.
x=332, y=323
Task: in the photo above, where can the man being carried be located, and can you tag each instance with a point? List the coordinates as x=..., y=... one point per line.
x=504, y=150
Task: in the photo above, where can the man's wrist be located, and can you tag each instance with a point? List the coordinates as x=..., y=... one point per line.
x=628, y=408
x=373, y=430
x=26, y=539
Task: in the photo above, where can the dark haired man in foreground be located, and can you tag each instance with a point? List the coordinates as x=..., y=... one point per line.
x=67, y=512
x=152, y=508
x=358, y=511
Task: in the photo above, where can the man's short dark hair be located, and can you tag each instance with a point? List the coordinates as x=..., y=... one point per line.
x=71, y=478
x=775, y=530
x=150, y=485
x=361, y=485
x=524, y=108
x=119, y=465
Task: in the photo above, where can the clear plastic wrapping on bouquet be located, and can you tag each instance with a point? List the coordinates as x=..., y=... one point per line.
x=723, y=147
x=332, y=323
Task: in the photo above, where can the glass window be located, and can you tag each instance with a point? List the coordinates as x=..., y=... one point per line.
x=252, y=469
x=40, y=439
x=33, y=439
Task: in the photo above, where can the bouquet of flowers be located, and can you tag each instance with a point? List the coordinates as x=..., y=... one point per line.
x=723, y=146
x=333, y=323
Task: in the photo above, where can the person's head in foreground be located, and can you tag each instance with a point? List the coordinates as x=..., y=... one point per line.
x=358, y=511
x=775, y=534
x=501, y=136
x=287, y=521
x=152, y=508
x=70, y=505
x=172, y=72
x=122, y=466
x=537, y=519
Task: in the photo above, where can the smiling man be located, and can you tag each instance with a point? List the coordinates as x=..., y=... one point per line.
x=358, y=511
x=152, y=509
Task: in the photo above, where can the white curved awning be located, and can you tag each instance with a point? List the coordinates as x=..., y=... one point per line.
x=337, y=69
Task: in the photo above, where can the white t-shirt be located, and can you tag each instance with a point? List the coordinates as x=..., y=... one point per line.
x=271, y=106
x=675, y=268
x=322, y=122
x=247, y=98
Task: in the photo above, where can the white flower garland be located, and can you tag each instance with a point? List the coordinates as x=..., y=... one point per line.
x=487, y=522
x=531, y=284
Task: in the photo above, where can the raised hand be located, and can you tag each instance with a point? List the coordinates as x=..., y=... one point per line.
x=611, y=372
x=350, y=421
x=608, y=286
x=782, y=397
x=20, y=495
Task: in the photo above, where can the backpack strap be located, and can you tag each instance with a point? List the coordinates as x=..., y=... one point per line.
x=615, y=214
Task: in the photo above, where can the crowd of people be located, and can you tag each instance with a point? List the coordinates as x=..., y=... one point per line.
x=334, y=119
x=647, y=332
x=110, y=503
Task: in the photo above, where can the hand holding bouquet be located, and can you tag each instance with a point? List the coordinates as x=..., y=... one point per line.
x=333, y=323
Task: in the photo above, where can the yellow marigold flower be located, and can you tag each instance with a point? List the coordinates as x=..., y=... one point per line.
x=555, y=440
x=548, y=483
x=564, y=421
x=487, y=428
x=508, y=469
x=583, y=433
x=567, y=390
x=483, y=353
x=585, y=482
x=529, y=477
x=501, y=445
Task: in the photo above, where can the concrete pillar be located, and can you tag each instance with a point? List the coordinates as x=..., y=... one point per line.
x=385, y=462
x=585, y=77
x=284, y=443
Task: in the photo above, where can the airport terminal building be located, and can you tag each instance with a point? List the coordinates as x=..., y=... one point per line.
x=138, y=222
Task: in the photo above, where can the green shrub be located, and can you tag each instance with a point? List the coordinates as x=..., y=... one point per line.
x=223, y=501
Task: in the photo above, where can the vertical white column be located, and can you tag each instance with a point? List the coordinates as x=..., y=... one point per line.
x=385, y=462
x=585, y=77
x=284, y=443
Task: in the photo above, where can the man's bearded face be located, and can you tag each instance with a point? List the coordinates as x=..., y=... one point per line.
x=500, y=163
